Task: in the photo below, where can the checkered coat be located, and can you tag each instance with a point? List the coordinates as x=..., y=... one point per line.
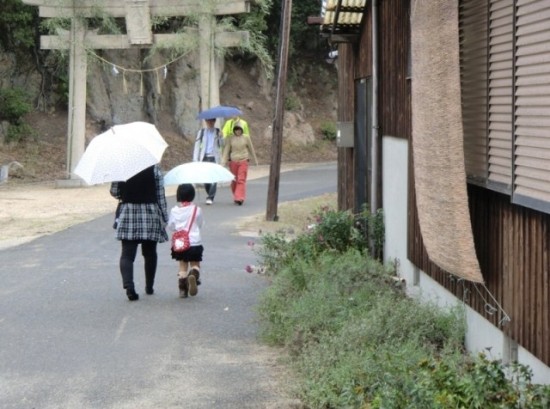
x=143, y=221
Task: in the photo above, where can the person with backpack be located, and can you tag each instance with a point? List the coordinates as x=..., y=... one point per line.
x=188, y=218
x=208, y=145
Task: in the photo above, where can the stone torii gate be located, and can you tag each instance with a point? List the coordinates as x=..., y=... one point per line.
x=137, y=14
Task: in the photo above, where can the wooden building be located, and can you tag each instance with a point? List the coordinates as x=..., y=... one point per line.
x=444, y=117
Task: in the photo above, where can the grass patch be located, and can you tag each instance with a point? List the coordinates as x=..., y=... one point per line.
x=294, y=217
x=355, y=340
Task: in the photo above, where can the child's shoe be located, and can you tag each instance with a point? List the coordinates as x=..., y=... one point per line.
x=192, y=281
x=183, y=285
x=196, y=272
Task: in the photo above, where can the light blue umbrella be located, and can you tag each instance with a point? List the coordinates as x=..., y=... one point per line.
x=220, y=111
x=198, y=172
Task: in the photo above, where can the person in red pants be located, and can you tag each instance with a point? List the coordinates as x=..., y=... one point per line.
x=237, y=152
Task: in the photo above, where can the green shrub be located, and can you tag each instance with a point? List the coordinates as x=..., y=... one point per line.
x=20, y=132
x=17, y=32
x=355, y=340
x=307, y=295
x=336, y=230
x=13, y=105
x=329, y=230
x=292, y=103
x=328, y=130
x=475, y=382
x=346, y=326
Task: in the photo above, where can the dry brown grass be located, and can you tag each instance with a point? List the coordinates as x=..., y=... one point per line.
x=294, y=217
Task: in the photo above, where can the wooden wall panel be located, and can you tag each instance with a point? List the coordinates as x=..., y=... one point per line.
x=364, y=48
x=394, y=87
x=346, y=107
x=513, y=247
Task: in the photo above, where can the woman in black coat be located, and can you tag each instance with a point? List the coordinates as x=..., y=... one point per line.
x=142, y=220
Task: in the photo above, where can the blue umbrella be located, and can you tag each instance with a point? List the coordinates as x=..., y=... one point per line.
x=220, y=111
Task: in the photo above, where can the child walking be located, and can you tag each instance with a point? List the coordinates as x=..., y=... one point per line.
x=187, y=216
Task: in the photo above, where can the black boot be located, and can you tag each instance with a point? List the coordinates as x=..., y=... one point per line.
x=183, y=285
x=132, y=295
x=150, y=278
x=149, y=282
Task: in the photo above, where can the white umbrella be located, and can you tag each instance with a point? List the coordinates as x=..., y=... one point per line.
x=120, y=153
x=198, y=172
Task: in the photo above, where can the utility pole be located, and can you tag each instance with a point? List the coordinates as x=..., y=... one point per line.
x=277, y=141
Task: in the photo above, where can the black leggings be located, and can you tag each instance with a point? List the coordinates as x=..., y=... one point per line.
x=128, y=256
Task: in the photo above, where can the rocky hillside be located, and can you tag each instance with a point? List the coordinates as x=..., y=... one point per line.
x=311, y=102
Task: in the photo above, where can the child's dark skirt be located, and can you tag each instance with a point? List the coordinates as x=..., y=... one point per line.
x=193, y=254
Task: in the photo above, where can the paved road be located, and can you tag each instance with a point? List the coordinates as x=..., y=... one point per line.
x=70, y=339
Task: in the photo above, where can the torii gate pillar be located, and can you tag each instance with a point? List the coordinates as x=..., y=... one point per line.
x=210, y=78
x=77, y=95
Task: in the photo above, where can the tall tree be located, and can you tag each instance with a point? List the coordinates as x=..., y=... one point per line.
x=18, y=26
x=303, y=38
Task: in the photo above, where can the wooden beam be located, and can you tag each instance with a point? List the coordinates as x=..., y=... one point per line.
x=232, y=39
x=341, y=38
x=121, y=41
x=315, y=20
x=138, y=22
x=165, y=8
x=106, y=4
